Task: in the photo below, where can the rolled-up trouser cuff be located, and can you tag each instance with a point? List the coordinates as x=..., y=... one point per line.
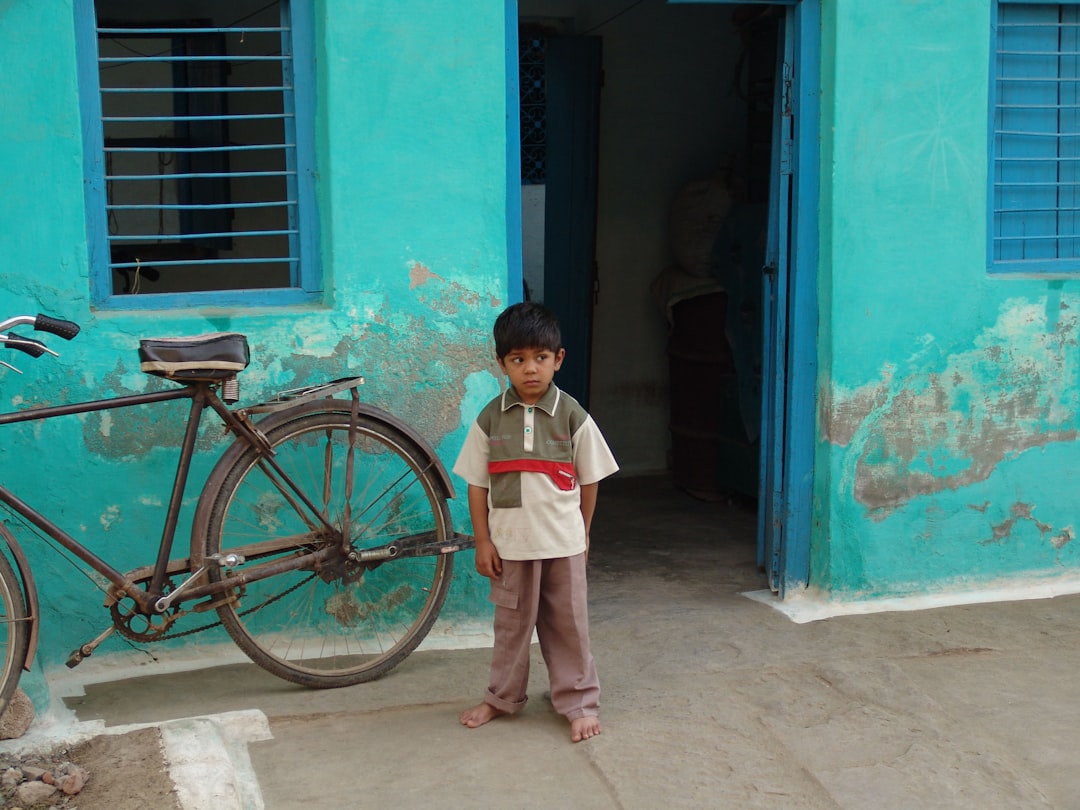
x=491, y=699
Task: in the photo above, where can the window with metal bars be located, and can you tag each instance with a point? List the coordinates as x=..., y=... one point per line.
x=199, y=153
x=532, y=84
x=1035, y=139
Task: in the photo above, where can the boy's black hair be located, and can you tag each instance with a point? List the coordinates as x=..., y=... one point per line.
x=527, y=326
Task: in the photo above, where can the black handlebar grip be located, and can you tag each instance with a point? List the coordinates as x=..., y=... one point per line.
x=34, y=348
x=65, y=329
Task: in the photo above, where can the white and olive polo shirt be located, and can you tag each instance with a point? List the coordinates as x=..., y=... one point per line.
x=532, y=460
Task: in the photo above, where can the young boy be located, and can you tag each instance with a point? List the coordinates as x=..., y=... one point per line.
x=532, y=461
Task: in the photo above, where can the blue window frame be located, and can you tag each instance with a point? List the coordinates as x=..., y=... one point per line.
x=1035, y=138
x=199, y=152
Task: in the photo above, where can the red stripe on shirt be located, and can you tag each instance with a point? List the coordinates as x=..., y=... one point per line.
x=561, y=472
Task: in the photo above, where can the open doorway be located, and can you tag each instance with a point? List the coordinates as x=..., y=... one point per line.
x=652, y=251
x=645, y=137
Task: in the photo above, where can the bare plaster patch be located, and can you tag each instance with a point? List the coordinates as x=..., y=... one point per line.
x=446, y=298
x=1020, y=512
x=945, y=419
x=419, y=274
x=1063, y=538
x=109, y=517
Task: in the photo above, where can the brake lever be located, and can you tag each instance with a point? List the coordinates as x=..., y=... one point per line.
x=34, y=348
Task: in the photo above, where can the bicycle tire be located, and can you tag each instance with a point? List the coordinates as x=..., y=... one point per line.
x=317, y=628
x=14, y=631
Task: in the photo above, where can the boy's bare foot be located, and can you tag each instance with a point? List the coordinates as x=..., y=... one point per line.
x=478, y=715
x=583, y=728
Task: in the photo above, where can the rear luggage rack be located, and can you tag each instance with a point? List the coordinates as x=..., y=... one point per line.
x=295, y=396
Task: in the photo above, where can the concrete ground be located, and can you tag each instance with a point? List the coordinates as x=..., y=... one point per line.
x=711, y=700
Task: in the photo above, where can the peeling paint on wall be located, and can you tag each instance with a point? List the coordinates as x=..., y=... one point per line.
x=1020, y=512
x=447, y=298
x=945, y=418
x=110, y=516
x=414, y=362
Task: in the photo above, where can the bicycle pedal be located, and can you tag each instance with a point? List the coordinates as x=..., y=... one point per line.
x=76, y=657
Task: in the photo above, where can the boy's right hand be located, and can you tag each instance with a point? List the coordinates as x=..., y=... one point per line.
x=488, y=561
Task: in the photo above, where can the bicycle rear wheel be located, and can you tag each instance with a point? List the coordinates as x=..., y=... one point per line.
x=14, y=631
x=342, y=622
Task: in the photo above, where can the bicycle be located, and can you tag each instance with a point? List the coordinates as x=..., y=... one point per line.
x=321, y=538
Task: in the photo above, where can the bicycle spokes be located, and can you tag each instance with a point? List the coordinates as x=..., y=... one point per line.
x=363, y=605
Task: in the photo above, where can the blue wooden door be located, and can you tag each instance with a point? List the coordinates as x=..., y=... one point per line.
x=789, y=423
x=772, y=506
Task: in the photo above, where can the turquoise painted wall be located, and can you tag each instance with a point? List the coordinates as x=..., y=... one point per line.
x=412, y=196
x=949, y=409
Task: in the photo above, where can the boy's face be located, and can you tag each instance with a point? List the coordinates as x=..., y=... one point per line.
x=530, y=371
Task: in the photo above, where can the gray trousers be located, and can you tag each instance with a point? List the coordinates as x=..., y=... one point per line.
x=550, y=596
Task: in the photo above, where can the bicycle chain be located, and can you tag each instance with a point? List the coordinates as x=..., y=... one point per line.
x=124, y=631
x=119, y=625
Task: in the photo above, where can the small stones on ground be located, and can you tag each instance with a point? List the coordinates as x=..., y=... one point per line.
x=30, y=793
x=45, y=781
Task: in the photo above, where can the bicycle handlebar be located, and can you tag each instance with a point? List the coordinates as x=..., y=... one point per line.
x=41, y=323
x=65, y=329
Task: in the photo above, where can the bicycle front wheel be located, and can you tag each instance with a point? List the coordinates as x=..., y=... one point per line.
x=341, y=621
x=14, y=631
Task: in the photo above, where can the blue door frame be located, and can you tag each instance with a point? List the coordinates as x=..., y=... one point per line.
x=514, y=283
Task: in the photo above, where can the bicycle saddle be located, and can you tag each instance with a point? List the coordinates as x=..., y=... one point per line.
x=214, y=356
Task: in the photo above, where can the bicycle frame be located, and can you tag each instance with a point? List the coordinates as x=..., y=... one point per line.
x=151, y=600
x=202, y=395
